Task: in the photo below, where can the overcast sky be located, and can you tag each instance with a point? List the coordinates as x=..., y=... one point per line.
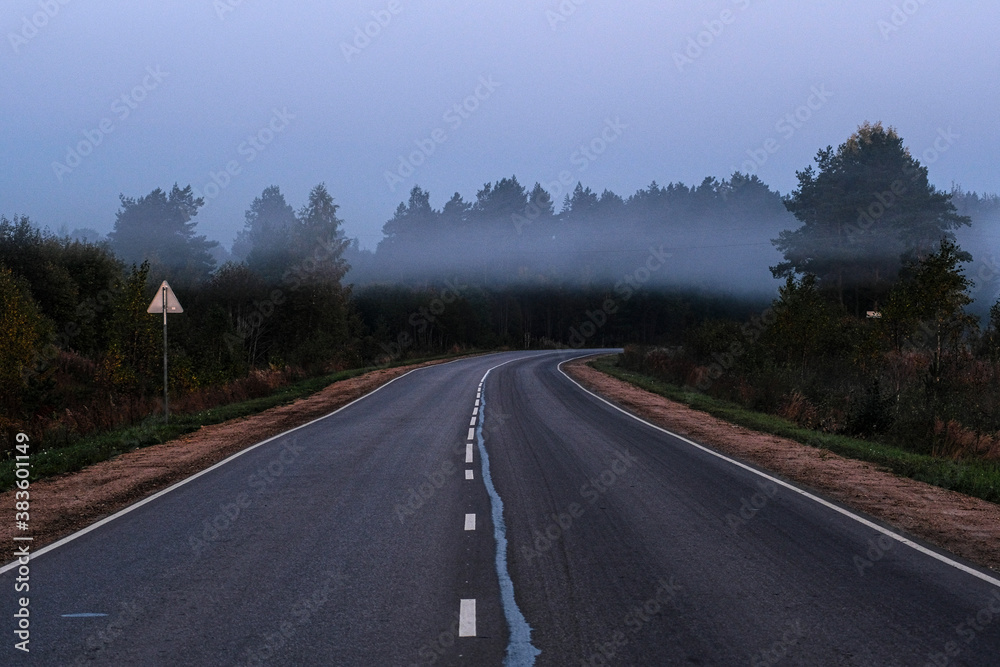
x=102, y=98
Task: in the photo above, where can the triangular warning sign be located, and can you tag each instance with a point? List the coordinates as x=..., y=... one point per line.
x=173, y=305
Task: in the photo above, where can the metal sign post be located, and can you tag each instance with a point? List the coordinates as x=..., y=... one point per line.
x=165, y=302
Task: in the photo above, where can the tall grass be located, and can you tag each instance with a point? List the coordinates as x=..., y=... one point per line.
x=979, y=478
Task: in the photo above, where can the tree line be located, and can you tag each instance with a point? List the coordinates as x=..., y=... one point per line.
x=504, y=270
x=870, y=334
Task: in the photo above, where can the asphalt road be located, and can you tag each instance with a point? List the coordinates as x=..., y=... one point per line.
x=360, y=540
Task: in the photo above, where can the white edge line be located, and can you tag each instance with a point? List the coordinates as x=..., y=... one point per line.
x=123, y=512
x=836, y=508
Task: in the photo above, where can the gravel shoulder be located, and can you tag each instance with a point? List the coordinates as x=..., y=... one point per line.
x=966, y=526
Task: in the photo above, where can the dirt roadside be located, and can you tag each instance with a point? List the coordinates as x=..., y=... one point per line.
x=64, y=504
x=966, y=526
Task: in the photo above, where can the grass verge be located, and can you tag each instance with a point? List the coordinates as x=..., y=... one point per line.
x=98, y=447
x=973, y=478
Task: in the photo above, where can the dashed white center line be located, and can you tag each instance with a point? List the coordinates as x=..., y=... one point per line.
x=470, y=521
x=467, y=618
x=468, y=474
x=475, y=411
x=472, y=433
x=468, y=453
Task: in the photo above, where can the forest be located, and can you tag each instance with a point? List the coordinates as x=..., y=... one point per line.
x=863, y=302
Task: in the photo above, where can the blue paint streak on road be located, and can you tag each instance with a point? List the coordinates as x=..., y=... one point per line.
x=520, y=651
x=84, y=615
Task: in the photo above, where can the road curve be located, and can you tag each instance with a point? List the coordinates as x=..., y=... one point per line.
x=368, y=538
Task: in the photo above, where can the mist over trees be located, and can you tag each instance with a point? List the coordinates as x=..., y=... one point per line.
x=679, y=266
x=714, y=232
x=870, y=335
x=981, y=239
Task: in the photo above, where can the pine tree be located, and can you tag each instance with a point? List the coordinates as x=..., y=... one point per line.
x=160, y=228
x=867, y=209
x=265, y=243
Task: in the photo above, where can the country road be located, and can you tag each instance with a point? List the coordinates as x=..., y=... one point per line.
x=370, y=537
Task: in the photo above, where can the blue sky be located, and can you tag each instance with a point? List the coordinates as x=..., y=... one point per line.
x=232, y=96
